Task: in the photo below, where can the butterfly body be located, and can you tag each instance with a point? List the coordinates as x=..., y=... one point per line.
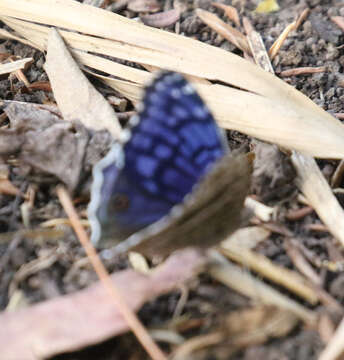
x=169, y=148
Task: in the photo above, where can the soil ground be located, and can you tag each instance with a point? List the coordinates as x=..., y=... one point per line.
x=318, y=42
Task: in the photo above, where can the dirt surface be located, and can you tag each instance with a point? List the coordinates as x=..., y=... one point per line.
x=318, y=42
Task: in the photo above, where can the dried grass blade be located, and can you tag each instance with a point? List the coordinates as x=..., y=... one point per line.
x=230, y=11
x=4, y=34
x=335, y=347
x=138, y=43
x=257, y=47
x=14, y=66
x=153, y=45
x=228, y=32
x=275, y=47
x=282, y=276
x=241, y=281
x=317, y=191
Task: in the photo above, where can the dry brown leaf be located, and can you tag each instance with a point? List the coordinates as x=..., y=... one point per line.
x=58, y=325
x=44, y=141
x=76, y=97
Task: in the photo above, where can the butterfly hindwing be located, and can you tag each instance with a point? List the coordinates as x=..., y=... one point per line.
x=209, y=214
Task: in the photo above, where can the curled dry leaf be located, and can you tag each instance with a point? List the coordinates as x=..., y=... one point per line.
x=58, y=325
x=162, y=19
x=44, y=141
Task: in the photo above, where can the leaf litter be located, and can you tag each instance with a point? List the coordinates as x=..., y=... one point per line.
x=275, y=190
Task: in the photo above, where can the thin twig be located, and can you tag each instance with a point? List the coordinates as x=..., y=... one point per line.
x=339, y=21
x=130, y=317
x=275, y=47
x=302, y=18
x=303, y=71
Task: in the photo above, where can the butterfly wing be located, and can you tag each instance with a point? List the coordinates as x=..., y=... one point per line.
x=169, y=147
x=211, y=212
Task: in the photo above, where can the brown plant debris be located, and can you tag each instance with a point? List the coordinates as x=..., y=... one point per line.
x=62, y=320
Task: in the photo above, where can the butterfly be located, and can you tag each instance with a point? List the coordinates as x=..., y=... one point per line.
x=171, y=181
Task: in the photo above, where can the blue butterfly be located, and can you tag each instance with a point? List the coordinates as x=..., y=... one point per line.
x=168, y=148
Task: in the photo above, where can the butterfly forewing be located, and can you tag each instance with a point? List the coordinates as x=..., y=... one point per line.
x=174, y=141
